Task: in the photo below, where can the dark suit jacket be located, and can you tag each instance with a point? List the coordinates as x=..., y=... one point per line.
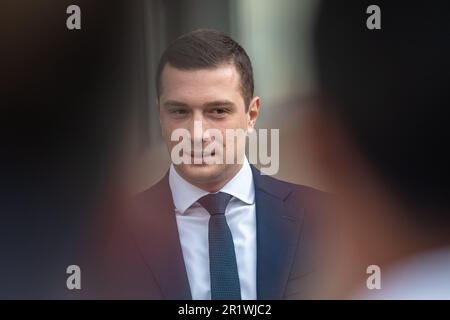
x=151, y=266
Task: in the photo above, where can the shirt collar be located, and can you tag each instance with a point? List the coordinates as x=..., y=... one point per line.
x=184, y=194
x=241, y=185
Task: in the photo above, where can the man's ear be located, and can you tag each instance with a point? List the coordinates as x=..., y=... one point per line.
x=253, y=113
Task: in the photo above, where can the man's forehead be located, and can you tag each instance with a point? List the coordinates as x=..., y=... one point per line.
x=224, y=75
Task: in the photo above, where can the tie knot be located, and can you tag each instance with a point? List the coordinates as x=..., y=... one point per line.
x=215, y=203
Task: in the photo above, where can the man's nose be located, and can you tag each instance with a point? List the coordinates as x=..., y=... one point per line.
x=197, y=128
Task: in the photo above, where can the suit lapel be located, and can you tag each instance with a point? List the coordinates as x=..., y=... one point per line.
x=278, y=228
x=157, y=238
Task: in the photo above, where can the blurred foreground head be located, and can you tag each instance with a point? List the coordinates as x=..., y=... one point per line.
x=381, y=133
x=64, y=116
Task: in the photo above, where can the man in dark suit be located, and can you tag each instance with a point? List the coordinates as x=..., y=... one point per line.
x=214, y=230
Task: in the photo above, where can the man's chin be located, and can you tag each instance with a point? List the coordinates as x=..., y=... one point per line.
x=201, y=173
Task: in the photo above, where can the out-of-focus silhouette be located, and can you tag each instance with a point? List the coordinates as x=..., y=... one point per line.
x=65, y=113
x=379, y=137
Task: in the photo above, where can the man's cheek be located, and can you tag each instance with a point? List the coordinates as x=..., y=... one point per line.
x=168, y=131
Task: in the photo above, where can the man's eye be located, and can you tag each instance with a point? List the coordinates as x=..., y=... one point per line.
x=178, y=112
x=218, y=111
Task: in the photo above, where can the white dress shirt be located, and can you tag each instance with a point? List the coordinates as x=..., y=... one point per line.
x=192, y=220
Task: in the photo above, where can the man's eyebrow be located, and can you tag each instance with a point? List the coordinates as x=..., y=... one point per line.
x=219, y=103
x=174, y=103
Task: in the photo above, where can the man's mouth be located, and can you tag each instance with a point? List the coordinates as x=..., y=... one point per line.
x=201, y=155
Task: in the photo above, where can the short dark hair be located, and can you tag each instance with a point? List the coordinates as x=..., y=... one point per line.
x=390, y=89
x=206, y=49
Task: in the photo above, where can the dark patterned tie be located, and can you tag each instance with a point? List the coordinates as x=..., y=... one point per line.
x=222, y=257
